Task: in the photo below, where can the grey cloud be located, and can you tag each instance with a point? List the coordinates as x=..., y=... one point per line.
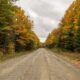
x=45, y=9
x=42, y=28
x=49, y=8
x=46, y=14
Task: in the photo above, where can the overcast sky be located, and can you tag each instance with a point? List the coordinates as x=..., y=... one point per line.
x=46, y=14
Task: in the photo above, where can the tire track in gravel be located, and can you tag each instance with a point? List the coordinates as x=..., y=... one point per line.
x=38, y=65
x=60, y=69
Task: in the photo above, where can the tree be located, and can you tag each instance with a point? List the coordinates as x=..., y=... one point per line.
x=69, y=34
x=6, y=22
x=77, y=32
x=14, y=28
x=25, y=38
x=52, y=39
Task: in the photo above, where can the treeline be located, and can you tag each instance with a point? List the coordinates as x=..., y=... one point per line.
x=15, y=29
x=67, y=36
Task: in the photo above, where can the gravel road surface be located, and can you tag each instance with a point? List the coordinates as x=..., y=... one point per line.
x=38, y=65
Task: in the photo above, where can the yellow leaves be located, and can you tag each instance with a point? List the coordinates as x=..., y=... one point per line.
x=66, y=28
x=24, y=29
x=21, y=42
x=53, y=38
x=63, y=37
x=22, y=20
x=76, y=27
x=68, y=35
x=11, y=45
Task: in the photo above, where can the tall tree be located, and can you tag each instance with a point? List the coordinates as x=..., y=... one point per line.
x=6, y=22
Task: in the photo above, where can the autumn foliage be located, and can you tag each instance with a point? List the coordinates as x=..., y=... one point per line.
x=67, y=36
x=15, y=29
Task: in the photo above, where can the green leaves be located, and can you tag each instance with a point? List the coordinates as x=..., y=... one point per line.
x=69, y=30
x=15, y=28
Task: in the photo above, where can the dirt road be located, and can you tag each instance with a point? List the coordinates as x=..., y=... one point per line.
x=40, y=65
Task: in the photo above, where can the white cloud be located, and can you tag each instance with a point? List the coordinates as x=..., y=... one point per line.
x=45, y=13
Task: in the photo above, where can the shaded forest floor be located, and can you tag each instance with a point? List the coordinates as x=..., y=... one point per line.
x=73, y=57
x=10, y=56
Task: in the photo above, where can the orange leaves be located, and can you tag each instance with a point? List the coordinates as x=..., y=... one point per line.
x=24, y=30
x=52, y=38
x=76, y=27
x=68, y=35
x=21, y=42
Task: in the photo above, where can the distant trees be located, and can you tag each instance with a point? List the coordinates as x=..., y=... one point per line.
x=15, y=29
x=32, y=41
x=68, y=37
x=52, y=39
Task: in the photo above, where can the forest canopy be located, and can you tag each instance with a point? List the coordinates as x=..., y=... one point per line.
x=16, y=32
x=67, y=36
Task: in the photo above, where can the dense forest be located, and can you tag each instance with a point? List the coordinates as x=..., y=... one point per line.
x=67, y=35
x=16, y=32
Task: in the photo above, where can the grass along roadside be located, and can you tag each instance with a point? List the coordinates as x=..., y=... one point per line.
x=73, y=57
x=16, y=54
